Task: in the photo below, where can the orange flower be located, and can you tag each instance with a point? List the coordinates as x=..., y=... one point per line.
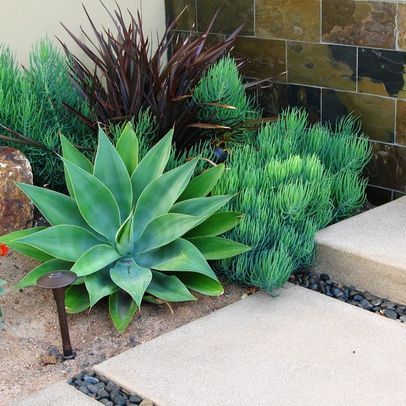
x=3, y=250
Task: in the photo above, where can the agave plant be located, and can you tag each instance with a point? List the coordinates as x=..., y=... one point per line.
x=128, y=230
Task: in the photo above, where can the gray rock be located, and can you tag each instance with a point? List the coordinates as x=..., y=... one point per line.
x=403, y=319
x=365, y=304
x=92, y=388
x=102, y=393
x=100, y=385
x=90, y=379
x=388, y=305
x=118, y=398
x=84, y=390
x=135, y=399
x=376, y=302
x=391, y=314
x=369, y=296
x=111, y=386
x=106, y=402
x=401, y=310
x=358, y=298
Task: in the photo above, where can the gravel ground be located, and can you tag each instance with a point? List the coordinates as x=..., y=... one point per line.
x=30, y=338
x=105, y=391
x=324, y=284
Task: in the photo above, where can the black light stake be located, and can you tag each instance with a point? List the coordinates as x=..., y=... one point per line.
x=58, y=281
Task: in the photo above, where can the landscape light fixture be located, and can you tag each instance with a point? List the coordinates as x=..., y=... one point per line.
x=58, y=281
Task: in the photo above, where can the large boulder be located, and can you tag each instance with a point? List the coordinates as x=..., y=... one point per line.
x=16, y=210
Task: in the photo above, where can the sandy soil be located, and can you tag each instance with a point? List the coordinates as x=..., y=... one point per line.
x=31, y=330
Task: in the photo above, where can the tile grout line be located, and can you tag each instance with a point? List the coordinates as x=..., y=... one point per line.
x=357, y=69
x=321, y=21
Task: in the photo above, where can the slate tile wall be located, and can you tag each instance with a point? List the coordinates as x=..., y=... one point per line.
x=331, y=57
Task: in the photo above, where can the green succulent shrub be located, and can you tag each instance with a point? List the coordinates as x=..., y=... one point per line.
x=221, y=98
x=33, y=112
x=128, y=230
x=293, y=181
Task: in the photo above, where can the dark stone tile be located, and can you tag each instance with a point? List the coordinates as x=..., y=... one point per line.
x=265, y=58
x=402, y=26
x=288, y=19
x=378, y=196
x=232, y=14
x=355, y=22
x=377, y=113
x=401, y=122
x=278, y=96
x=382, y=72
x=322, y=65
x=175, y=7
x=387, y=167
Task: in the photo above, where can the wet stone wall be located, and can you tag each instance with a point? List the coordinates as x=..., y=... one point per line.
x=340, y=56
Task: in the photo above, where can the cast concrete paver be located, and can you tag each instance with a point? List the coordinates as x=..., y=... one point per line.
x=300, y=348
x=368, y=251
x=59, y=394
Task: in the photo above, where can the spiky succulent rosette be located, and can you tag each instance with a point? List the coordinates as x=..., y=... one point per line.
x=129, y=230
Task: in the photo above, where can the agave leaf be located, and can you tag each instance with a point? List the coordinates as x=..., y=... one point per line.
x=50, y=266
x=76, y=299
x=122, y=309
x=63, y=241
x=178, y=256
x=71, y=154
x=169, y=288
x=164, y=229
x=124, y=236
x=94, y=259
x=95, y=201
x=201, y=283
x=132, y=278
x=218, y=223
x=56, y=207
x=201, y=206
x=152, y=165
x=214, y=248
x=11, y=241
x=160, y=195
x=127, y=147
x=203, y=184
x=15, y=235
x=99, y=285
x=29, y=251
x=110, y=169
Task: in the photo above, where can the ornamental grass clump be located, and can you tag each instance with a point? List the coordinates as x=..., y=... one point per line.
x=33, y=112
x=129, y=230
x=293, y=181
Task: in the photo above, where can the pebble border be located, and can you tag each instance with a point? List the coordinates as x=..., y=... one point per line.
x=105, y=391
x=349, y=294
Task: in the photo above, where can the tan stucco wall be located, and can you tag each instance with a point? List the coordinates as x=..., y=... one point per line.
x=23, y=22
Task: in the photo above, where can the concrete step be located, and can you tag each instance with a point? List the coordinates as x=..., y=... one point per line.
x=59, y=394
x=300, y=348
x=368, y=251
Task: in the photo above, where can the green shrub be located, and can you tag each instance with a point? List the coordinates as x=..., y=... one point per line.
x=294, y=181
x=221, y=99
x=129, y=231
x=33, y=112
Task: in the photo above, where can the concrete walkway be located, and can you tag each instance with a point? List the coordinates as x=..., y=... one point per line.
x=59, y=394
x=301, y=348
x=368, y=251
